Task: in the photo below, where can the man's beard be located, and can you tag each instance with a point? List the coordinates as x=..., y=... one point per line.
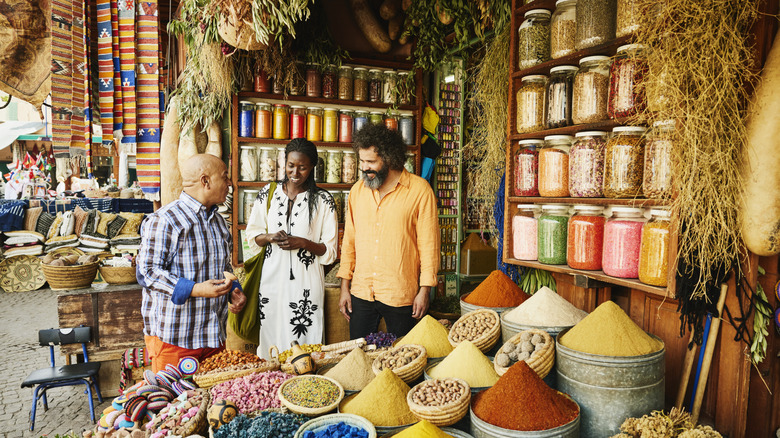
x=379, y=177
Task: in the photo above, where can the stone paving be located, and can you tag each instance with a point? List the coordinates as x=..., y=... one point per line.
x=22, y=314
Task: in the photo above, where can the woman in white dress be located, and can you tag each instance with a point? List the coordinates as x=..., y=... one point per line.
x=300, y=229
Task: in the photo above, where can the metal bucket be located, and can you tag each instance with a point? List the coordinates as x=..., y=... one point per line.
x=468, y=307
x=481, y=429
x=448, y=430
x=610, y=389
x=509, y=329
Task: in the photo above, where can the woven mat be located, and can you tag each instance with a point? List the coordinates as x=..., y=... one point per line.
x=25, y=57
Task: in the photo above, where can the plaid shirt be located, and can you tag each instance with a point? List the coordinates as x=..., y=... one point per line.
x=183, y=244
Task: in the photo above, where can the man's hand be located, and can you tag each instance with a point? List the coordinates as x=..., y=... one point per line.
x=237, y=301
x=345, y=299
x=420, y=305
x=291, y=243
x=211, y=288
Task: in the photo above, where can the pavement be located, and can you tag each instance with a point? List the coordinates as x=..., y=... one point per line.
x=22, y=314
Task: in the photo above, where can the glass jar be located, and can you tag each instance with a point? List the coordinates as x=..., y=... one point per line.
x=654, y=249
x=250, y=196
x=624, y=156
x=338, y=201
x=248, y=163
x=263, y=121
x=533, y=39
x=563, y=27
x=629, y=14
x=281, y=164
x=267, y=166
x=530, y=103
x=375, y=85
x=298, y=85
x=361, y=120
x=406, y=126
x=552, y=229
x=345, y=82
x=390, y=79
x=657, y=178
x=262, y=82
x=333, y=167
x=329, y=82
x=281, y=121
x=313, y=80
x=330, y=123
x=591, y=90
x=319, y=169
x=410, y=162
x=345, y=126
x=585, y=238
x=345, y=195
x=297, y=121
x=626, y=95
x=360, y=84
x=595, y=23
x=314, y=124
x=405, y=88
x=246, y=119
x=376, y=118
x=391, y=122
x=524, y=232
x=526, y=168
x=586, y=164
x=622, y=238
x=559, y=91
x=554, y=166
x=348, y=167
x=277, y=85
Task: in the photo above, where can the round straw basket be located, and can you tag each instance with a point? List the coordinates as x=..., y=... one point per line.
x=485, y=340
x=444, y=415
x=319, y=424
x=213, y=377
x=307, y=410
x=118, y=274
x=198, y=424
x=409, y=372
x=541, y=361
x=70, y=277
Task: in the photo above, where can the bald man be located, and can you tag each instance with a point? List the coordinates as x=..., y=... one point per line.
x=185, y=250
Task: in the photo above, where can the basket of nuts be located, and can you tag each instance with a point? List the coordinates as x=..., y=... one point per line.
x=228, y=365
x=441, y=402
x=535, y=347
x=406, y=361
x=481, y=327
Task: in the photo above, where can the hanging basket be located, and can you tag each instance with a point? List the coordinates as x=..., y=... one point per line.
x=235, y=26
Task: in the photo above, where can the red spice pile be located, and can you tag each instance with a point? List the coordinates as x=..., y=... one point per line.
x=497, y=290
x=520, y=400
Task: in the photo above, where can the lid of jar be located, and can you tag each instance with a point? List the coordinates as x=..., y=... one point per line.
x=537, y=12
x=247, y=147
x=330, y=109
x=331, y=65
x=568, y=138
x=359, y=69
x=627, y=210
x=563, y=68
x=594, y=58
x=267, y=148
x=590, y=134
x=346, y=67
x=630, y=129
x=251, y=191
x=360, y=112
x=349, y=151
x=527, y=207
x=533, y=78
x=585, y=208
x=375, y=70
x=660, y=212
x=347, y=111
x=376, y=112
x=531, y=142
x=314, y=108
x=246, y=102
x=404, y=73
x=296, y=107
x=664, y=124
x=262, y=104
x=387, y=72
x=560, y=2
x=314, y=64
x=631, y=47
x=281, y=104
x=555, y=207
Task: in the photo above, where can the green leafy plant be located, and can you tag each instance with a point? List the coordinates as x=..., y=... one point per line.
x=272, y=19
x=534, y=279
x=761, y=319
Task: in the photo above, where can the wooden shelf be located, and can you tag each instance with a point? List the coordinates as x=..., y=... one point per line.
x=606, y=125
x=606, y=49
x=258, y=184
x=307, y=101
x=631, y=202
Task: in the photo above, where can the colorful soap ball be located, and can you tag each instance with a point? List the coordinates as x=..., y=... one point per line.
x=338, y=430
x=221, y=412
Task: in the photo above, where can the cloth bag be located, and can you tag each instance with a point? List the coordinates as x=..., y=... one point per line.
x=245, y=323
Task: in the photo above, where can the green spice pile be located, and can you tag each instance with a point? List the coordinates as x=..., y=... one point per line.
x=311, y=392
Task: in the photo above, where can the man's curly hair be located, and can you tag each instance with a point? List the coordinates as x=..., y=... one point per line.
x=389, y=144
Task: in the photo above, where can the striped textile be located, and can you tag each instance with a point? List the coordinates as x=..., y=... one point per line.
x=127, y=74
x=105, y=71
x=117, y=73
x=148, y=89
x=61, y=68
x=79, y=85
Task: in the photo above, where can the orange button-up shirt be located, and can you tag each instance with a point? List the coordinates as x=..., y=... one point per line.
x=391, y=245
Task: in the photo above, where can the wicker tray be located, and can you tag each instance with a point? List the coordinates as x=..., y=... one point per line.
x=445, y=415
x=409, y=372
x=488, y=338
x=540, y=361
x=320, y=423
x=70, y=277
x=207, y=380
x=309, y=411
x=118, y=274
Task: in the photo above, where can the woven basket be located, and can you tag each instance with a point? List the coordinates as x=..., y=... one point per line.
x=409, y=372
x=488, y=338
x=199, y=423
x=118, y=274
x=321, y=423
x=207, y=380
x=70, y=277
x=237, y=30
x=305, y=410
x=540, y=361
x=445, y=415
x=67, y=250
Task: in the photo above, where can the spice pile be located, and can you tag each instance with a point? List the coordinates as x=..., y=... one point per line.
x=398, y=357
x=608, y=331
x=512, y=353
x=546, y=309
x=497, y=290
x=473, y=326
x=227, y=359
x=173, y=419
x=468, y=363
x=380, y=339
x=438, y=392
x=353, y=372
x=266, y=425
x=311, y=392
x=423, y=429
x=382, y=402
x=431, y=334
x=520, y=400
x=338, y=430
x=252, y=392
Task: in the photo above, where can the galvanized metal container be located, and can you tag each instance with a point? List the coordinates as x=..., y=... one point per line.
x=467, y=307
x=482, y=429
x=448, y=430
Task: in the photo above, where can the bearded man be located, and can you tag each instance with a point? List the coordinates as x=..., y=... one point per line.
x=390, y=251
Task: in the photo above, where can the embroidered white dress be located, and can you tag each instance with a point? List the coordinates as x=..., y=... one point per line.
x=292, y=286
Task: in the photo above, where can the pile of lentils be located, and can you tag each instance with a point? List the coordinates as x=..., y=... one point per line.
x=438, y=392
x=337, y=430
x=473, y=326
x=399, y=357
x=266, y=425
x=512, y=353
x=311, y=392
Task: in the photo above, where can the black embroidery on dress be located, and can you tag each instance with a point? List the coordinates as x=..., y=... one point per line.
x=262, y=195
x=279, y=224
x=328, y=199
x=302, y=312
x=268, y=250
x=260, y=304
x=305, y=257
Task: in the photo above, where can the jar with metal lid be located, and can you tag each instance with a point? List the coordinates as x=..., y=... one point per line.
x=248, y=163
x=297, y=121
x=375, y=81
x=628, y=17
x=281, y=121
x=348, y=167
x=345, y=82
x=314, y=123
x=267, y=166
x=390, y=79
x=554, y=166
x=410, y=162
x=330, y=124
x=250, y=196
x=329, y=82
x=533, y=39
x=624, y=156
x=585, y=238
x=524, y=232
x=345, y=126
x=246, y=116
x=526, y=168
x=360, y=84
x=563, y=27
x=313, y=80
x=591, y=90
x=654, y=249
x=338, y=201
x=559, y=93
x=262, y=81
x=530, y=103
x=406, y=126
x=298, y=85
x=626, y=94
x=360, y=120
x=552, y=231
x=333, y=167
x=376, y=118
x=391, y=121
x=405, y=88
x=595, y=22
x=263, y=120
x=622, y=239
x=319, y=169
x=657, y=179
x=281, y=164
x=586, y=164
